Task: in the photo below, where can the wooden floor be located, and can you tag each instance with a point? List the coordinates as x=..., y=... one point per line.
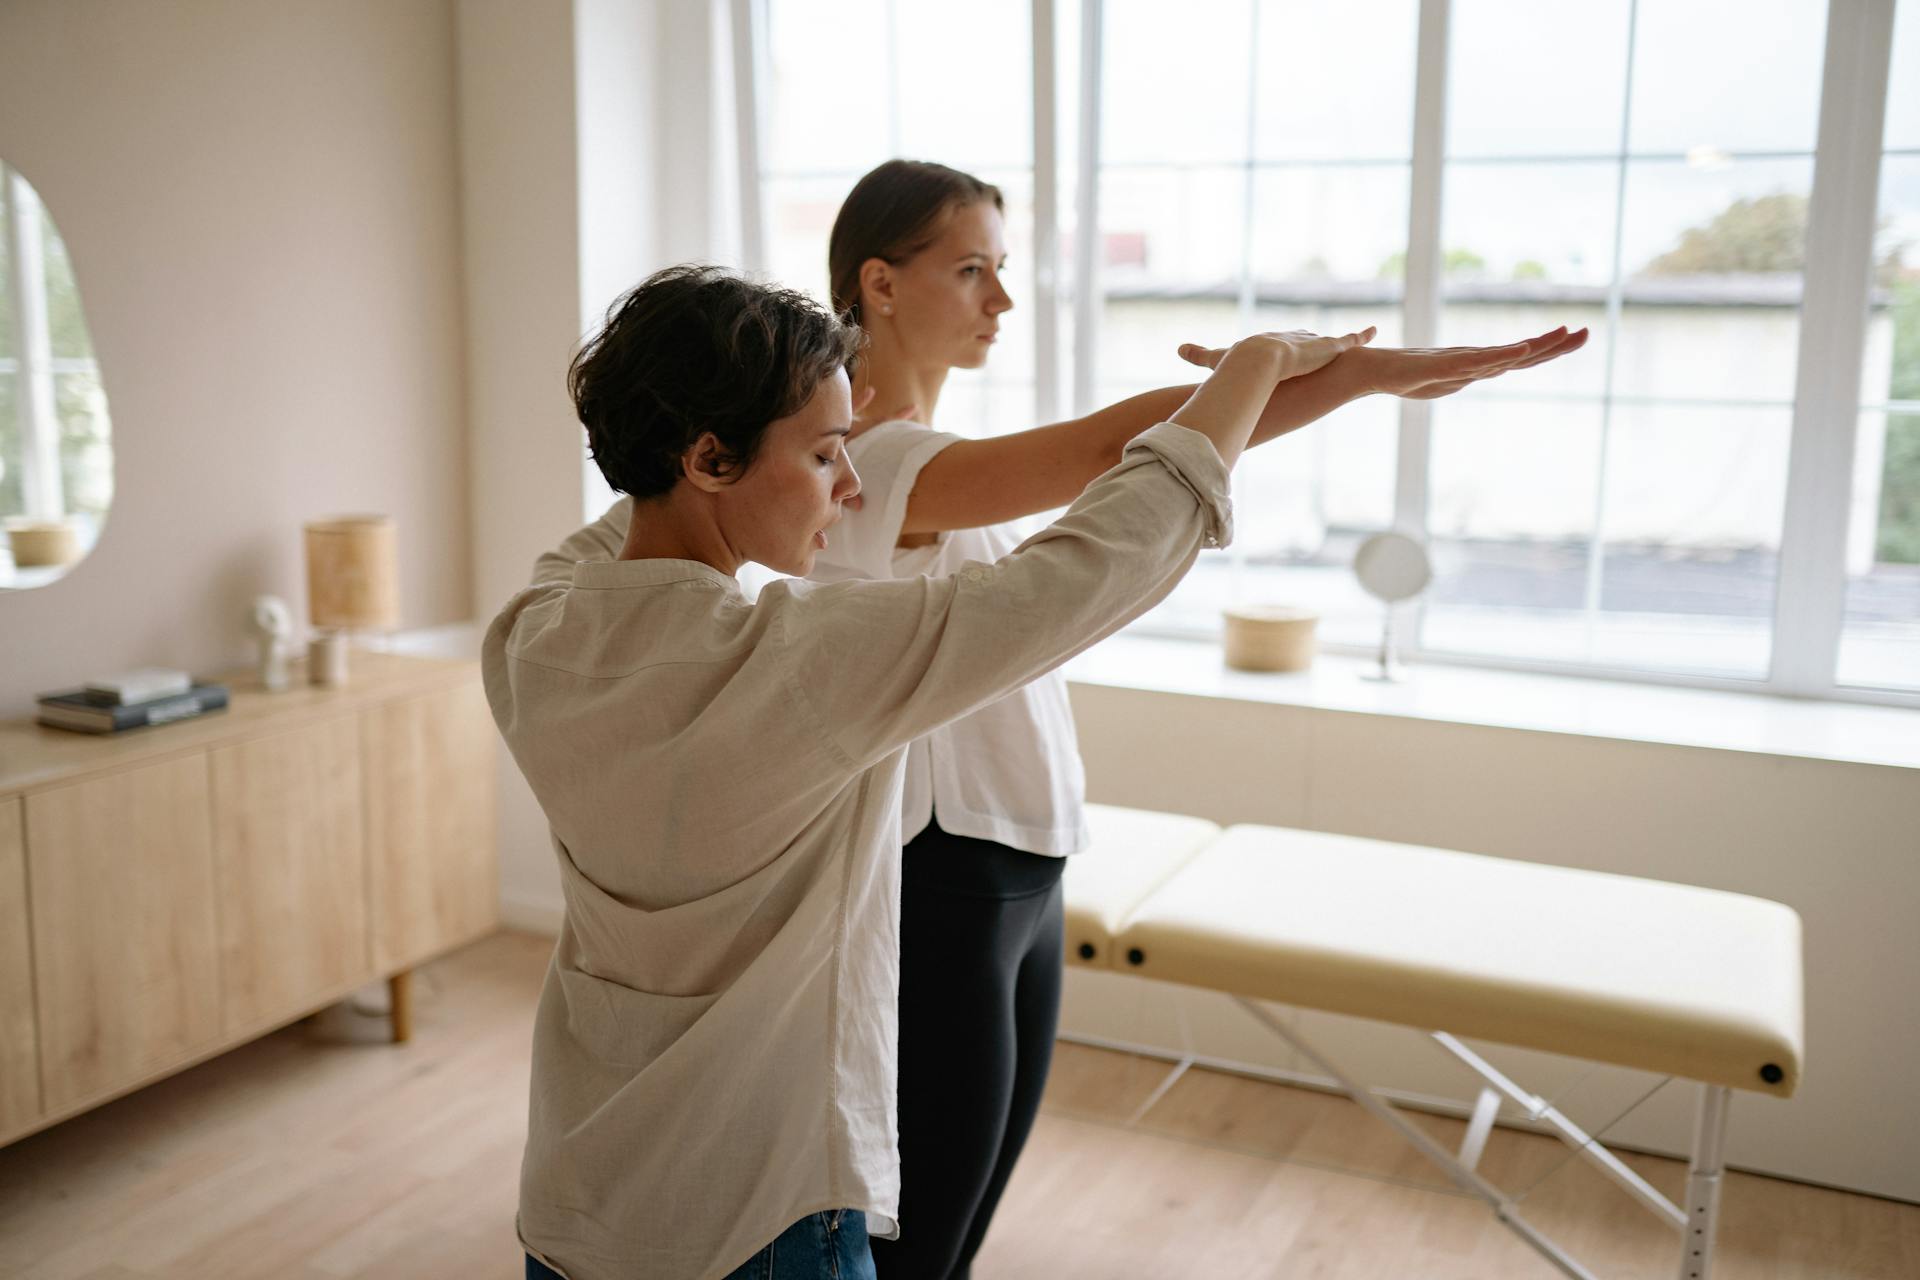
x=322, y=1152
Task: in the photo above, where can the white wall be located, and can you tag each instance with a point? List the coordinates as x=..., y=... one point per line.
x=520, y=197
x=592, y=146
x=618, y=152
x=261, y=202
x=520, y=200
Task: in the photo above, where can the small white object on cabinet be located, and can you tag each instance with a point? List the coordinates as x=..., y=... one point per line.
x=273, y=628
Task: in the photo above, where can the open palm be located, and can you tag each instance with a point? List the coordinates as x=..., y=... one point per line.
x=1427, y=373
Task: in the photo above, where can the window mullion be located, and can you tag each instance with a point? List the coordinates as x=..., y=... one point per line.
x=1811, y=594
x=1616, y=295
x=1420, y=304
x=1086, y=241
x=1245, y=300
x=750, y=86
x=1046, y=216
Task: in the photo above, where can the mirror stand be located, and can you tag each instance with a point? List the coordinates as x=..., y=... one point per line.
x=1392, y=568
x=1388, y=668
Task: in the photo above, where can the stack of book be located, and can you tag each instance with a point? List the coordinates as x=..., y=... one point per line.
x=131, y=701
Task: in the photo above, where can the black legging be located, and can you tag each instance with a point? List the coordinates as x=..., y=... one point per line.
x=980, y=938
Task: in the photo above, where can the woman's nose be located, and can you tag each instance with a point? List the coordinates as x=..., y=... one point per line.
x=849, y=485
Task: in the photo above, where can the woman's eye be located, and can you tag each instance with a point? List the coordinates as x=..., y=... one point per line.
x=824, y=461
x=970, y=271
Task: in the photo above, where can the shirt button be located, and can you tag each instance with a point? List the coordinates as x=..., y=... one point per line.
x=975, y=575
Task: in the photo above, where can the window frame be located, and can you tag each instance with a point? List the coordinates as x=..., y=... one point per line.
x=1810, y=588
x=1810, y=598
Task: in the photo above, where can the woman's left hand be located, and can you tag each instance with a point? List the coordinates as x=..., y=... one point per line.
x=1427, y=373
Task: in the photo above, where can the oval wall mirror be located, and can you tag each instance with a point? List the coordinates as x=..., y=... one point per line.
x=56, y=437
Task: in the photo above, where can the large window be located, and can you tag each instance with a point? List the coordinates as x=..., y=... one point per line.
x=1453, y=171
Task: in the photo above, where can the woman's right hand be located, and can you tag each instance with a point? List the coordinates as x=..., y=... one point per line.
x=1292, y=352
x=1226, y=407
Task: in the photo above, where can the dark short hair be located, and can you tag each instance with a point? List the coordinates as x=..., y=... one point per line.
x=893, y=213
x=697, y=349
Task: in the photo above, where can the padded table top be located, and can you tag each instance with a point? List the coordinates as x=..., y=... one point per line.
x=1670, y=978
x=1132, y=853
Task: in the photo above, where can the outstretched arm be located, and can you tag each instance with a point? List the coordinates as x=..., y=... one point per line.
x=980, y=482
x=879, y=663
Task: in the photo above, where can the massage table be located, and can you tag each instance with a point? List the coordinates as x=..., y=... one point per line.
x=1689, y=983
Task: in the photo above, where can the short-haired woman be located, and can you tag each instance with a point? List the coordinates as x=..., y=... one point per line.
x=713, y=1057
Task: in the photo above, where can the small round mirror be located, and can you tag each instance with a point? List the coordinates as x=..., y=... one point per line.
x=1392, y=567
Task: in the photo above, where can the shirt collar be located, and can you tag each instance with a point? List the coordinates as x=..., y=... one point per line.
x=606, y=575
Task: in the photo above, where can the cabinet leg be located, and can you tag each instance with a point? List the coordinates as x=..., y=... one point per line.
x=400, y=1005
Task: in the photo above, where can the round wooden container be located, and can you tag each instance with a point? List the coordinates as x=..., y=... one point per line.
x=1270, y=638
x=36, y=543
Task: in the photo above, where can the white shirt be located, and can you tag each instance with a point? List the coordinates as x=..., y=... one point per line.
x=1011, y=771
x=714, y=1049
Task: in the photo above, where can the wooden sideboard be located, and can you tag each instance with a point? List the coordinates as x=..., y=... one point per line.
x=172, y=892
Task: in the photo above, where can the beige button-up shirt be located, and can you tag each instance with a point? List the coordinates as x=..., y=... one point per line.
x=714, y=1049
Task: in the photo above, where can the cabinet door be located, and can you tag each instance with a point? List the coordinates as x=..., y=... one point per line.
x=291, y=869
x=19, y=1058
x=430, y=823
x=120, y=875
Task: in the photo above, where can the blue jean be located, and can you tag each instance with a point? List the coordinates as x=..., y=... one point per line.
x=821, y=1246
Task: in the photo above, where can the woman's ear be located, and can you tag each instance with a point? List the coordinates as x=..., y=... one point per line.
x=876, y=288
x=706, y=465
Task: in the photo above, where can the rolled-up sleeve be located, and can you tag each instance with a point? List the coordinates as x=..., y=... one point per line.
x=881, y=663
